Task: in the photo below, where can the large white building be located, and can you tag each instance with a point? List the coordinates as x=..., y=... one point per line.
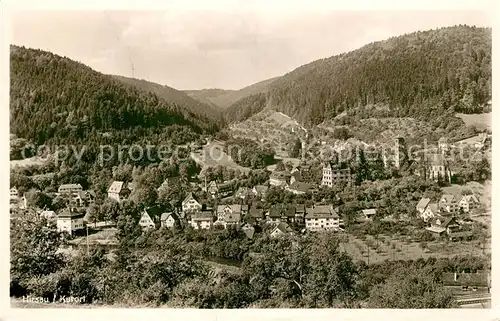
x=322, y=218
x=332, y=175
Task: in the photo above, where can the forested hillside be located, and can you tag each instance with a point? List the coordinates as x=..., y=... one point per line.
x=225, y=98
x=57, y=100
x=418, y=74
x=181, y=99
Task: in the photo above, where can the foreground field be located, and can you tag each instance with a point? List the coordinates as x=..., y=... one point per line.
x=388, y=248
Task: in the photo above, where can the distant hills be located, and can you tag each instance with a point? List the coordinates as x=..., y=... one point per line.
x=225, y=98
x=426, y=75
x=422, y=74
x=55, y=99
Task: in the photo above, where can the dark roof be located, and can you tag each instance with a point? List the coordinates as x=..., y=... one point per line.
x=166, y=215
x=468, y=279
x=68, y=213
x=322, y=211
x=283, y=227
x=280, y=210
x=154, y=211
x=448, y=221
x=256, y=212
x=300, y=209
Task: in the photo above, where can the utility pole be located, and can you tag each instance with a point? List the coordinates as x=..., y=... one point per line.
x=87, y=229
x=368, y=254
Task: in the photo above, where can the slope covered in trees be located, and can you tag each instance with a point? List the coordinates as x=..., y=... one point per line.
x=418, y=74
x=57, y=100
x=225, y=98
x=181, y=99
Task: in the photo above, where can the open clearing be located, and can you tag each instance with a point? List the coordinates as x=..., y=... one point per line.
x=212, y=155
x=389, y=248
x=480, y=121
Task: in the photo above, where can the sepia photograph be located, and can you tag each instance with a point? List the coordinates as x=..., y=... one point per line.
x=247, y=158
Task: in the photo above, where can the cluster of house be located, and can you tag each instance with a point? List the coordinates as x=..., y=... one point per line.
x=72, y=193
x=442, y=215
x=69, y=219
x=279, y=216
x=293, y=181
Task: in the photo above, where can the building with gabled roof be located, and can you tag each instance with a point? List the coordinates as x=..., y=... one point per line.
x=191, y=203
x=168, y=219
x=201, y=220
x=422, y=205
x=449, y=203
x=119, y=190
x=369, y=213
x=278, y=229
x=322, y=217
x=70, y=220
x=279, y=178
x=468, y=203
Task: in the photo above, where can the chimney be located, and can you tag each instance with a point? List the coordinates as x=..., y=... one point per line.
x=455, y=276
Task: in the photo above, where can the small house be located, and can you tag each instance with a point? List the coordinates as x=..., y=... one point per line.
x=168, y=219
x=368, y=214
x=201, y=220
x=119, y=191
x=70, y=221
x=191, y=203
x=468, y=203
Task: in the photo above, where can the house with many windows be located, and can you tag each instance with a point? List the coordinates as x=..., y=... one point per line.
x=449, y=204
x=333, y=174
x=230, y=215
x=468, y=203
x=70, y=221
x=322, y=218
x=201, y=220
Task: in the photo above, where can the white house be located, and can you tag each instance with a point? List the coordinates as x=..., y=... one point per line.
x=468, y=203
x=422, y=205
x=369, y=213
x=49, y=215
x=168, y=219
x=70, y=221
x=119, y=190
x=322, y=217
x=14, y=193
x=280, y=229
x=149, y=217
x=230, y=214
x=201, y=220
x=449, y=204
x=190, y=203
x=430, y=212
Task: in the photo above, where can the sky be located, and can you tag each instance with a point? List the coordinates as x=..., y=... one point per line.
x=188, y=49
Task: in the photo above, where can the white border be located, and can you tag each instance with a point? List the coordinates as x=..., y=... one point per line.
x=189, y=314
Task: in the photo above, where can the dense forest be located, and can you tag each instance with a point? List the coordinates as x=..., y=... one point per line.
x=420, y=74
x=225, y=98
x=56, y=100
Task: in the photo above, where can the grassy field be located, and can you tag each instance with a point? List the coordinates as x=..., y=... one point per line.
x=213, y=154
x=274, y=128
x=480, y=121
